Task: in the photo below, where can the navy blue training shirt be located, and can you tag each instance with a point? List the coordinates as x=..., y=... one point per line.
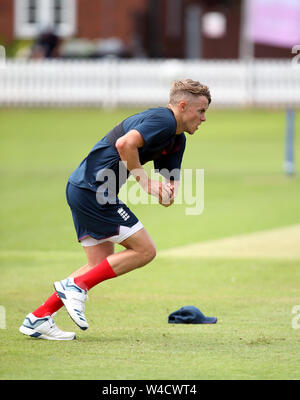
x=162, y=145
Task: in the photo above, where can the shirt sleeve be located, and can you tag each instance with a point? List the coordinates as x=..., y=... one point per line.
x=156, y=129
x=169, y=165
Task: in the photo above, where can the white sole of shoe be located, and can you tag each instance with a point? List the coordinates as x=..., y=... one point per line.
x=59, y=289
x=37, y=335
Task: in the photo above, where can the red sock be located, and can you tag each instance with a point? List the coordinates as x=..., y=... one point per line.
x=100, y=273
x=50, y=306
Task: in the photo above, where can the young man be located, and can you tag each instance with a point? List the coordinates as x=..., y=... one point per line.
x=101, y=219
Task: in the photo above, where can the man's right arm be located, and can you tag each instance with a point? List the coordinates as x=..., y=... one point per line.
x=127, y=147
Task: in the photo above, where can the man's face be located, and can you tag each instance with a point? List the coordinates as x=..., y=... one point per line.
x=193, y=113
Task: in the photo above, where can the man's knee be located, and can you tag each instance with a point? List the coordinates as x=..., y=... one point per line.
x=146, y=254
x=150, y=253
x=143, y=247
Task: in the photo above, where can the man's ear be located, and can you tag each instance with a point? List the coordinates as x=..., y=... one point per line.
x=182, y=105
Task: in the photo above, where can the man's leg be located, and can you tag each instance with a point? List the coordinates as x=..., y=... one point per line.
x=54, y=303
x=94, y=256
x=139, y=250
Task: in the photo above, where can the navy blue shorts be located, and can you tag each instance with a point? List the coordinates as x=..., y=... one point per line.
x=96, y=220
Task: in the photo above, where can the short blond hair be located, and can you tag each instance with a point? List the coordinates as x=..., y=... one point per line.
x=186, y=88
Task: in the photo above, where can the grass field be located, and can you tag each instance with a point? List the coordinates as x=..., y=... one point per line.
x=241, y=152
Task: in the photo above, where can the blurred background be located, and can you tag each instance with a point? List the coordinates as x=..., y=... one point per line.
x=73, y=69
x=185, y=29
x=76, y=52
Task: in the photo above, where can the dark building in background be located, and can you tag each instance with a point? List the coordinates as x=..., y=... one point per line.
x=186, y=29
x=176, y=29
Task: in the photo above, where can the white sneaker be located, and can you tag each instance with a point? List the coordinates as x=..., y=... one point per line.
x=73, y=298
x=44, y=328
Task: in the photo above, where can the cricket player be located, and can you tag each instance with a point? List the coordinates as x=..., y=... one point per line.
x=102, y=219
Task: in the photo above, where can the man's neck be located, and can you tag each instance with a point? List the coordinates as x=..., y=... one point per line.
x=179, y=128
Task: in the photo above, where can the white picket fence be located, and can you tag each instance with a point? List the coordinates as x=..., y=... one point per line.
x=113, y=82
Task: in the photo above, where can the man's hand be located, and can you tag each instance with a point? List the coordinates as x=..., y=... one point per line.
x=163, y=191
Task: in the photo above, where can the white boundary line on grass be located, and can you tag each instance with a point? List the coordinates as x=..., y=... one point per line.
x=280, y=243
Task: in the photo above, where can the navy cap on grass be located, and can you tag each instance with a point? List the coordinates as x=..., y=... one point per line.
x=190, y=315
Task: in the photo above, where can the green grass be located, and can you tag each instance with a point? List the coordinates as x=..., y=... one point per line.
x=129, y=337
